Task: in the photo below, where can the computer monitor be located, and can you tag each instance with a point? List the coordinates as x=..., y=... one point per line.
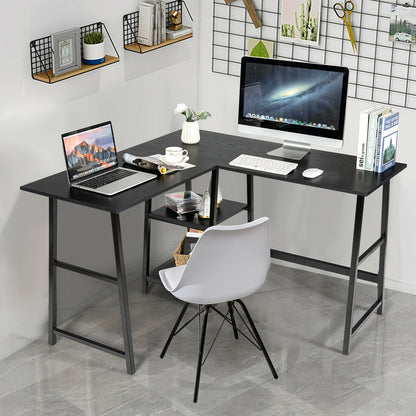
x=297, y=103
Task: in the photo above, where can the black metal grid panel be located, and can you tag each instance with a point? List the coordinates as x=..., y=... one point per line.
x=131, y=22
x=382, y=71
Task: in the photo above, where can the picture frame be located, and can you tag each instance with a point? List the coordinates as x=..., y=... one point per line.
x=293, y=25
x=402, y=24
x=66, y=51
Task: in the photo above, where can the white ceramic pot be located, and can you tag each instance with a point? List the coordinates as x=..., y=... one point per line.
x=93, y=54
x=190, y=132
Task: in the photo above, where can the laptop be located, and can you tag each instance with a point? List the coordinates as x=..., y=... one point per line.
x=91, y=161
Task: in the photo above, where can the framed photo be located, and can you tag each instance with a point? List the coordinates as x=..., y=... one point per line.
x=66, y=51
x=402, y=24
x=300, y=21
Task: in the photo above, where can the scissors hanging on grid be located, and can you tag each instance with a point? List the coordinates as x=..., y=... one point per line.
x=344, y=13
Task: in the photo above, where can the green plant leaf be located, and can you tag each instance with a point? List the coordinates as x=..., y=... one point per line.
x=260, y=51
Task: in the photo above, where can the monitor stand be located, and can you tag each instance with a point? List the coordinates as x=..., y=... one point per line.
x=291, y=150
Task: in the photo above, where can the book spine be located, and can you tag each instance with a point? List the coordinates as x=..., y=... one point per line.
x=362, y=140
x=371, y=142
x=379, y=141
x=163, y=12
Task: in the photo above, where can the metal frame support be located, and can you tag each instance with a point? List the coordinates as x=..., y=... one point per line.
x=359, y=209
x=53, y=235
x=122, y=293
x=250, y=198
x=146, y=246
x=213, y=196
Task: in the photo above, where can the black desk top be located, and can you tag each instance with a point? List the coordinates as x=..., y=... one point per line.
x=216, y=150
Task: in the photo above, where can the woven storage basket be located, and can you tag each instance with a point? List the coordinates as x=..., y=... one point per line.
x=180, y=259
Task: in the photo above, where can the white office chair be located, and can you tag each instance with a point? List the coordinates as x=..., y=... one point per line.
x=227, y=263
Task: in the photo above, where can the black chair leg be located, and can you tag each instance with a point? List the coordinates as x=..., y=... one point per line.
x=260, y=342
x=175, y=327
x=201, y=352
x=231, y=311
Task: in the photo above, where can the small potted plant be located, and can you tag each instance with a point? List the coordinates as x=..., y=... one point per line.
x=190, y=127
x=93, y=48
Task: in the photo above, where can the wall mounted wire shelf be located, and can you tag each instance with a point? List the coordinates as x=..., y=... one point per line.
x=131, y=28
x=41, y=56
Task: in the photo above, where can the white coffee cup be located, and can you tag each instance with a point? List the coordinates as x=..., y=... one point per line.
x=175, y=154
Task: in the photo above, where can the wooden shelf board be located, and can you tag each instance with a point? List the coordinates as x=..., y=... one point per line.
x=134, y=47
x=84, y=68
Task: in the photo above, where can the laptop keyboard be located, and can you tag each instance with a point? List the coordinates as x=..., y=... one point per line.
x=107, y=178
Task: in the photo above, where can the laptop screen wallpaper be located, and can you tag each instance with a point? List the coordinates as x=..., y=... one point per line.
x=89, y=151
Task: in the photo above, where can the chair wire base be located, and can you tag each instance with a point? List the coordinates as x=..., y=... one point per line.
x=228, y=317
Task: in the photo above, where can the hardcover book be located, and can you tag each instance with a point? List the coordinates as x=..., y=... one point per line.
x=362, y=137
x=388, y=127
x=372, y=138
x=146, y=23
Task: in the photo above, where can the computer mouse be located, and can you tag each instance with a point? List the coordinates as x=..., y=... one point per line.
x=312, y=173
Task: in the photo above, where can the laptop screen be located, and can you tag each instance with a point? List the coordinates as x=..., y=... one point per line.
x=89, y=150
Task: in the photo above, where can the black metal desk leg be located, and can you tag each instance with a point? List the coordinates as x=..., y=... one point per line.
x=53, y=235
x=359, y=209
x=214, y=196
x=382, y=255
x=146, y=246
x=122, y=293
x=250, y=198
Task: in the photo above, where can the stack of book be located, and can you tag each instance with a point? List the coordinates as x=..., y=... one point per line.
x=377, y=139
x=183, y=202
x=152, y=22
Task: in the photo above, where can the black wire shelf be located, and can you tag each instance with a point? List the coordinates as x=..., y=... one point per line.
x=131, y=28
x=41, y=57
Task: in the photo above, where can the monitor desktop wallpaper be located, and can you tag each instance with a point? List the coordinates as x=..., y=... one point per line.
x=293, y=95
x=90, y=151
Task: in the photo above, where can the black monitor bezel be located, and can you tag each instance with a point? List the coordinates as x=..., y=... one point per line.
x=337, y=134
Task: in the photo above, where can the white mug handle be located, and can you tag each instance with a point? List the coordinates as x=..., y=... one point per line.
x=184, y=153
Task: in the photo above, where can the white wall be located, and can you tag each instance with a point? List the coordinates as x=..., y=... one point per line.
x=138, y=94
x=304, y=220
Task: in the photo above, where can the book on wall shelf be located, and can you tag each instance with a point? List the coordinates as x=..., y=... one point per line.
x=377, y=141
x=152, y=22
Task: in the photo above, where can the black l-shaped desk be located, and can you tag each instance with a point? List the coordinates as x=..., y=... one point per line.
x=210, y=155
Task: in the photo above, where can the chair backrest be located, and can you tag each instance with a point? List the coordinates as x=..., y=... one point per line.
x=227, y=263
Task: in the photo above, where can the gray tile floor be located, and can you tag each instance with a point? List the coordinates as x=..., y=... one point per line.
x=300, y=316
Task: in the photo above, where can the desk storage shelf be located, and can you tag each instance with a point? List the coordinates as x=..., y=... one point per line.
x=226, y=210
x=41, y=57
x=131, y=28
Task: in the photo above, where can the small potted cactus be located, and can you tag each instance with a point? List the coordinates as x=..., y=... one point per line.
x=93, y=48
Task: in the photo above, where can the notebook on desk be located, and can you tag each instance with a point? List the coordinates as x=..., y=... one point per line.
x=91, y=161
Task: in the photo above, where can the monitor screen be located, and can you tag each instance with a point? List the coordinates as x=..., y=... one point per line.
x=89, y=150
x=290, y=100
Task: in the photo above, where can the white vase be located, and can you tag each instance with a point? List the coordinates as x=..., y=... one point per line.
x=190, y=132
x=93, y=54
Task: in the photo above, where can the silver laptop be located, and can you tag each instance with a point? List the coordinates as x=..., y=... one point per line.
x=91, y=161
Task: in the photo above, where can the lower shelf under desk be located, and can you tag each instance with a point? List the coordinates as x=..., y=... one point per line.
x=226, y=210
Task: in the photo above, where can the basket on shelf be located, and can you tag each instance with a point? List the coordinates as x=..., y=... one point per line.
x=180, y=259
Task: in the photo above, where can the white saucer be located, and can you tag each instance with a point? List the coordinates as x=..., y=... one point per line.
x=163, y=159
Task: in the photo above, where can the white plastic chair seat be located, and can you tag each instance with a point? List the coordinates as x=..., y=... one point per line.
x=227, y=263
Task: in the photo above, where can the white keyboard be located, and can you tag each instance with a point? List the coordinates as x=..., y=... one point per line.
x=278, y=167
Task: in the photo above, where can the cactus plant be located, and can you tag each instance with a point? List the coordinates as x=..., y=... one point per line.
x=307, y=23
x=288, y=30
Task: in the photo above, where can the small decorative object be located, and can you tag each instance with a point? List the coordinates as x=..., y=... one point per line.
x=175, y=17
x=93, y=48
x=343, y=11
x=402, y=22
x=190, y=127
x=259, y=47
x=219, y=194
x=205, y=205
x=299, y=21
x=66, y=51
